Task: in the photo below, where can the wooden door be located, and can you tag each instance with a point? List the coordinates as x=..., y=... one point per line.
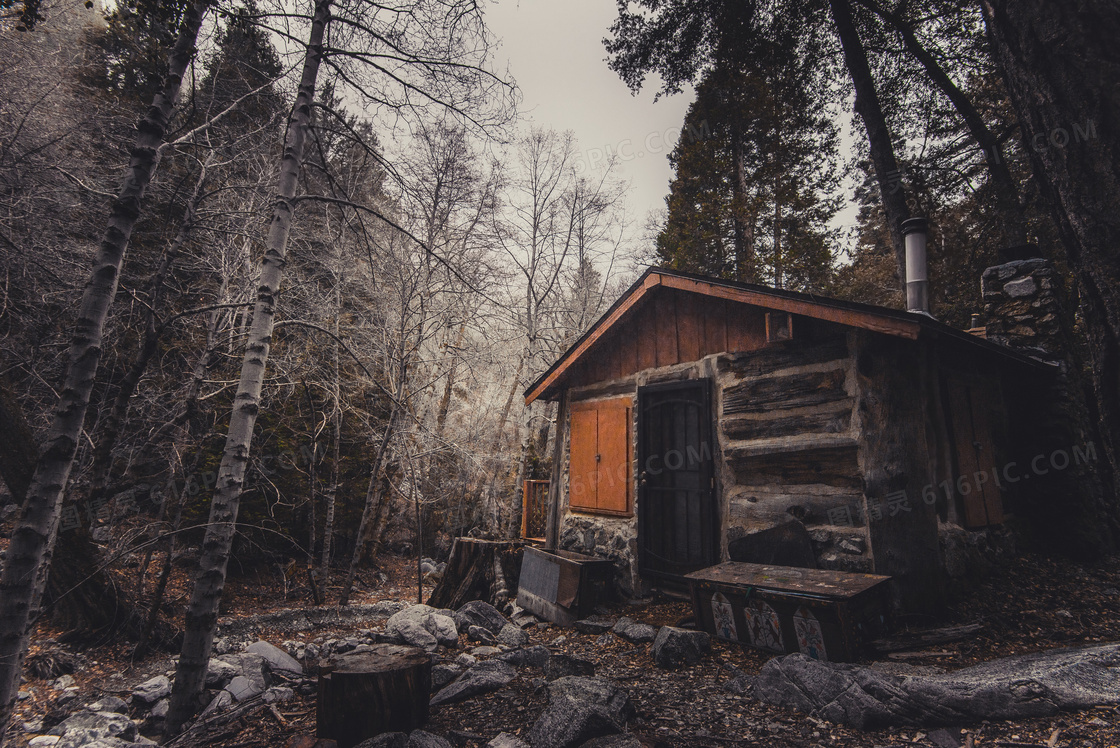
x=677, y=519
x=972, y=434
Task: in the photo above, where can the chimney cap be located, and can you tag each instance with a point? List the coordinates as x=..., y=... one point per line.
x=914, y=225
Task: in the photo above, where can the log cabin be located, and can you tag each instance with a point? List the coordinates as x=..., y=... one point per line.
x=699, y=414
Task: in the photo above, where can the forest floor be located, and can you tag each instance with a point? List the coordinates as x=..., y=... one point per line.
x=1032, y=604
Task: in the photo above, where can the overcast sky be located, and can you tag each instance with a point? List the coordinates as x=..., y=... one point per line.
x=554, y=50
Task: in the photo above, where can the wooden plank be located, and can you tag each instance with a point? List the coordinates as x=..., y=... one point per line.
x=832, y=419
x=830, y=466
x=647, y=340
x=746, y=328
x=713, y=314
x=982, y=432
x=838, y=584
x=613, y=357
x=786, y=356
x=582, y=470
x=794, y=391
x=665, y=319
x=817, y=310
x=628, y=349
x=688, y=326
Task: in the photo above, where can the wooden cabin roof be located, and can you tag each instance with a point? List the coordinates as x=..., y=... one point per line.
x=669, y=317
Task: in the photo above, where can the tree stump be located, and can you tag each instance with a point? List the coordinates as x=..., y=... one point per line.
x=367, y=693
x=479, y=570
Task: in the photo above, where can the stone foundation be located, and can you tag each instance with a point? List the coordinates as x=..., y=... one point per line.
x=606, y=537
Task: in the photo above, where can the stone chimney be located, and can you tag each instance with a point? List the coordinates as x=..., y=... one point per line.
x=1022, y=307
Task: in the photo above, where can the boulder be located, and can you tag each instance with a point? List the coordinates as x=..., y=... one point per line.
x=1020, y=687
x=563, y=665
x=278, y=660
x=152, y=690
x=219, y=673
x=675, y=647
x=580, y=709
x=443, y=629
x=512, y=636
x=594, y=625
x=480, y=634
x=418, y=739
x=250, y=666
x=536, y=656
x=242, y=688
x=485, y=651
x=505, y=740
x=421, y=739
x=480, y=613
x=634, y=632
x=86, y=727
x=482, y=678
x=160, y=708
x=613, y=741
x=221, y=701
x=409, y=627
x=444, y=674
x=109, y=704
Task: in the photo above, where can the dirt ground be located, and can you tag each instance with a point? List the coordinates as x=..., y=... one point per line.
x=1033, y=604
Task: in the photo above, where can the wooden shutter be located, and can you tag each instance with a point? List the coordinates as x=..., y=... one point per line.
x=600, y=472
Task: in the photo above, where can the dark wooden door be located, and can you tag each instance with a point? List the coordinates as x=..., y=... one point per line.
x=677, y=519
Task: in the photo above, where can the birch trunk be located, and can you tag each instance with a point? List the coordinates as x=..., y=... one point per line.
x=29, y=553
x=202, y=611
x=887, y=174
x=332, y=492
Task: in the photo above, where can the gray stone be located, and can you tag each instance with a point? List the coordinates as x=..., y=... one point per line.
x=943, y=739
x=409, y=626
x=109, y=704
x=580, y=709
x=159, y=709
x=219, y=673
x=90, y=726
x=480, y=634
x=512, y=636
x=443, y=629
x=442, y=675
x=739, y=685
x=505, y=740
x=152, y=690
x=278, y=695
x=43, y=741
x=564, y=665
x=675, y=647
x=485, y=651
x=242, y=688
x=1020, y=288
x=595, y=625
x=482, y=678
x=418, y=739
x=854, y=546
x=221, y=701
x=63, y=681
x=466, y=660
x=421, y=739
x=634, y=632
x=1020, y=687
x=479, y=613
x=536, y=656
x=278, y=660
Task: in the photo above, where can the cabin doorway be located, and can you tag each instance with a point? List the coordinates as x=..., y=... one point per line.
x=677, y=518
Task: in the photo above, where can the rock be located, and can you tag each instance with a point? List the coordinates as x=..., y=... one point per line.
x=505, y=740
x=251, y=666
x=409, y=627
x=242, y=688
x=444, y=674
x=675, y=647
x=109, y=704
x=613, y=741
x=485, y=651
x=219, y=673
x=479, y=613
x=152, y=690
x=739, y=685
x=220, y=702
x=386, y=740
x=943, y=739
x=512, y=636
x=482, y=678
x=536, y=656
x=634, y=632
x=580, y=709
x=35, y=725
x=466, y=660
x=421, y=739
x=1020, y=288
x=64, y=681
x=1021, y=687
x=480, y=634
x=563, y=665
x=278, y=695
x=443, y=629
x=595, y=625
x=603, y=640
x=278, y=660
x=43, y=741
x=854, y=546
x=159, y=709
x=87, y=727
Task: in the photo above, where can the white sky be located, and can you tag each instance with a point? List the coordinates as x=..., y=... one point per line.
x=555, y=52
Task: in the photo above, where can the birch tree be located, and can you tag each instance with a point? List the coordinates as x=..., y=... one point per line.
x=28, y=556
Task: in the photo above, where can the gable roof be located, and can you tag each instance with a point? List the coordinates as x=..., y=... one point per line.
x=884, y=320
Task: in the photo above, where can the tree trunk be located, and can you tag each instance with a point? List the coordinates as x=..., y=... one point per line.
x=1060, y=64
x=18, y=450
x=202, y=611
x=891, y=190
x=332, y=491
x=1007, y=192
x=479, y=570
x=29, y=553
x=384, y=690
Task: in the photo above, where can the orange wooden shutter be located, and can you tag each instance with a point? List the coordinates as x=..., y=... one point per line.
x=614, y=457
x=582, y=471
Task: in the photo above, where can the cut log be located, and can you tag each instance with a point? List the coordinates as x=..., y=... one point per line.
x=367, y=693
x=479, y=570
